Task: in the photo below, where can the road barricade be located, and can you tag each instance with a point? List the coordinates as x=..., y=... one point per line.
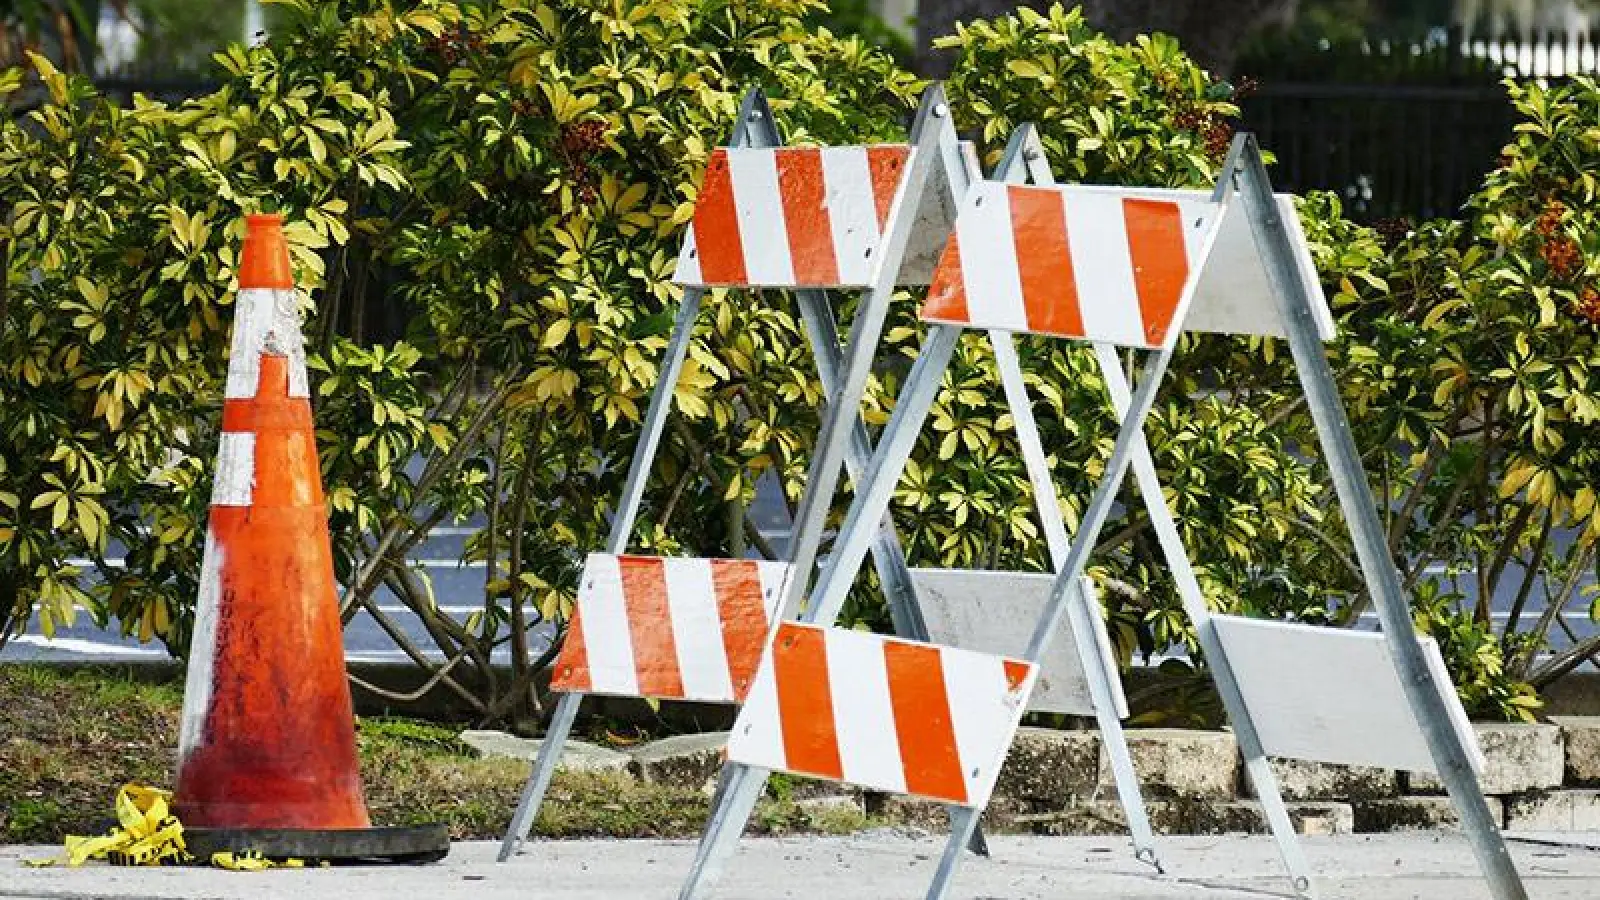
x=1130, y=268
x=809, y=220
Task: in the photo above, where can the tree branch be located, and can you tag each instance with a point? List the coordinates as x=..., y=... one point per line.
x=1570, y=660
x=1333, y=546
x=1530, y=574
x=410, y=650
x=412, y=696
x=362, y=584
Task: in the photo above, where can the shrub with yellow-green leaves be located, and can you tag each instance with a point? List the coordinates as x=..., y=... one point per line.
x=1480, y=358
x=505, y=184
x=485, y=202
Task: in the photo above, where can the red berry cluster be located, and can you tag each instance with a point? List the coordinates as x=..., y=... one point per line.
x=1550, y=220
x=1391, y=231
x=1559, y=251
x=1588, y=306
x=1212, y=129
x=453, y=45
x=524, y=107
x=579, y=142
x=1562, y=255
x=1190, y=115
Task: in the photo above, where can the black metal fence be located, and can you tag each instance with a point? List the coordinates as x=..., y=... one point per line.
x=1389, y=152
x=1399, y=126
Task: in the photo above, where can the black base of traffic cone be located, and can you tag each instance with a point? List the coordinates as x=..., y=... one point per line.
x=413, y=844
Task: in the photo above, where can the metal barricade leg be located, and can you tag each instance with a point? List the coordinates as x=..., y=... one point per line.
x=544, y=767
x=728, y=818
x=877, y=488
x=1111, y=735
x=964, y=823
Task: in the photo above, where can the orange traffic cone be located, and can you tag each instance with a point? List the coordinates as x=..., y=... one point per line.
x=268, y=738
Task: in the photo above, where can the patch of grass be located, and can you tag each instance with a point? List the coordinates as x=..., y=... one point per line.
x=68, y=741
x=382, y=730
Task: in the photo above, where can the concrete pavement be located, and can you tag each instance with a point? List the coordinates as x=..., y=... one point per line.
x=871, y=866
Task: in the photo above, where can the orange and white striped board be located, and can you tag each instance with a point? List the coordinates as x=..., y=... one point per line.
x=669, y=628
x=792, y=216
x=1070, y=261
x=882, y=713
x=1234, y=295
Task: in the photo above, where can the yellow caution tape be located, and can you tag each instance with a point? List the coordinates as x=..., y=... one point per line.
x=251, y=861
x=149, y=834
x=246, y=861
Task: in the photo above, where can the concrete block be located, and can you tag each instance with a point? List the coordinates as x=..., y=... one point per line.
x=1582, y=735
x=576, y=756
x=686, y=760
x=1174, y=762
x=1097, y=817
x=1247, y=817
x=1554, y=811
x=1518, y=757
x=1300, y=779
x=1050, y=765
x=930, y=816
x=1187, y=816
x=1414, y=814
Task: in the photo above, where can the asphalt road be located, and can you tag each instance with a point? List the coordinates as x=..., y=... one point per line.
x=871, y=866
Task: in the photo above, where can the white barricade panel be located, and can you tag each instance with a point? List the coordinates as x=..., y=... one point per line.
x=1067, y=261
x=995, y=612
x=670, y=629
x=1234, y=296
x=935, y=217
x=1332, y=695
x=882, y=713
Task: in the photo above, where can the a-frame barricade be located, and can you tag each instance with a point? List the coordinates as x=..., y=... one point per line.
x=801, y=219
x=964, y=614
x=1127, y=268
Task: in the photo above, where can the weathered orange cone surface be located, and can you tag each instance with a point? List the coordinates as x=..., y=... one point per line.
x=268, y=736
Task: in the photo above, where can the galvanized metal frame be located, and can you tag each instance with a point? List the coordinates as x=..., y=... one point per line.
x=872, y=499
x=755, y=127
x=1067, y=599
x=1243, y=171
